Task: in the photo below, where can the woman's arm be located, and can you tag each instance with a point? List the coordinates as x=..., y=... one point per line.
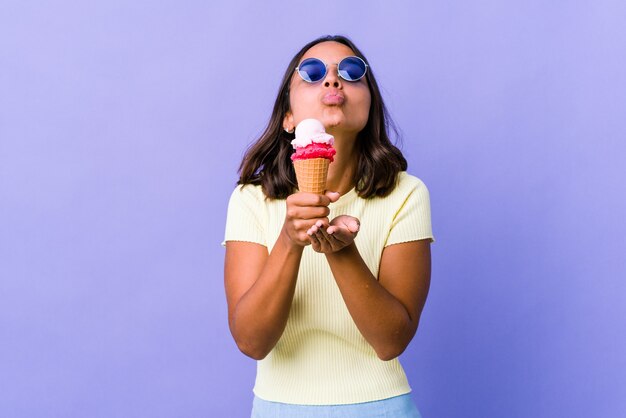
x=260, y=286
x=386, y=311
x=259, y=290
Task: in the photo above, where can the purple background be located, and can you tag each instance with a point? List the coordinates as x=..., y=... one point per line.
x=122, y=125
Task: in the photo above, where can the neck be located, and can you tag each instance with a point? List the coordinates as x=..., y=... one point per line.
x=341, y=170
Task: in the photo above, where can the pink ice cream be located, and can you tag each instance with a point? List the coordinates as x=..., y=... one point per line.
x=312, y=141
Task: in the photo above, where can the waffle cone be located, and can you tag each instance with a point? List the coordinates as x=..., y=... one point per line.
x=311, y=174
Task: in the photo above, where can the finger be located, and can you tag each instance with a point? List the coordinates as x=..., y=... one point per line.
x=320, y=224
x=342, y=235
x=315, y=243
x=330, y=240
x=332, y=229
x=354, y=225
x=332, y=196
x=307, y=212
x=324, y=235
x=312, y=212
x=311, y=199
x=335, y=242
x=324, y=243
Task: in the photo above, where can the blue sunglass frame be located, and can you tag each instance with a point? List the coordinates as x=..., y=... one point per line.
x=322, y=69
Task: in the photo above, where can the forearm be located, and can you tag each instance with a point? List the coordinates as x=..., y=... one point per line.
x=261, y=315
x=382, y=320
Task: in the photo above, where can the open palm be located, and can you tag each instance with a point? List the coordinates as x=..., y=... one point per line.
x=339, y=234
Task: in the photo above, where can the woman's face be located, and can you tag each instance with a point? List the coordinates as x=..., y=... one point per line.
x=342, y=106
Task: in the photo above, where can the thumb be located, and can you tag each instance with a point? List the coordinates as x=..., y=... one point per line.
x=354, y=225
x=333, y=196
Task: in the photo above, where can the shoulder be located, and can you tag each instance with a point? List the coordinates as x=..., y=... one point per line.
x=246, y=215
x=248, y=193
x=407, y=188
x=252, y=198
x=411, y=211
x=407, y=184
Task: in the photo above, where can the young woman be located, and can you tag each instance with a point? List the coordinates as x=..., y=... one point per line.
x=326, y=291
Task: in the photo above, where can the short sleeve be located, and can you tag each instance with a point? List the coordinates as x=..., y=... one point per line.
x=244, y=219
x=412, y=221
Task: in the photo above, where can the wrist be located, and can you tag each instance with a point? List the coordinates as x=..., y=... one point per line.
x=347, y=251
x=289, y=244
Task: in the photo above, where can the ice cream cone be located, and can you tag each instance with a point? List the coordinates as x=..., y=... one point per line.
x=311, y=174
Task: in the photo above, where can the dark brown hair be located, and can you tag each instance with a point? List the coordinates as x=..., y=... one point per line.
x=267, y=161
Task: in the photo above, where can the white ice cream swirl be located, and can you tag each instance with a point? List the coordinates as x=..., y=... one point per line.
x=309, y=131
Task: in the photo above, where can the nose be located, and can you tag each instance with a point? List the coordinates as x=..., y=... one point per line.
x=332, y=76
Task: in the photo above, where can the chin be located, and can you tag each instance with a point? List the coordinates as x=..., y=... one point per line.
x=332, y=121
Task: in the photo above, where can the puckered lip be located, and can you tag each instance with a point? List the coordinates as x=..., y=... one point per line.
x=333, y=97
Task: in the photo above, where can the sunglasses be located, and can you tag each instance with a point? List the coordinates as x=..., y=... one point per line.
x=313, y=70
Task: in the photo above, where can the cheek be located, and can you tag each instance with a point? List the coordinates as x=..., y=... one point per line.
x=363, y=106
x=301, y=99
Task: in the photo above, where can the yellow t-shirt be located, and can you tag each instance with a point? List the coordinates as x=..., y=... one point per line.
x=322, y=358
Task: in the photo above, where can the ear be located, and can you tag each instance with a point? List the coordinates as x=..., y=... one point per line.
x=288, y=124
